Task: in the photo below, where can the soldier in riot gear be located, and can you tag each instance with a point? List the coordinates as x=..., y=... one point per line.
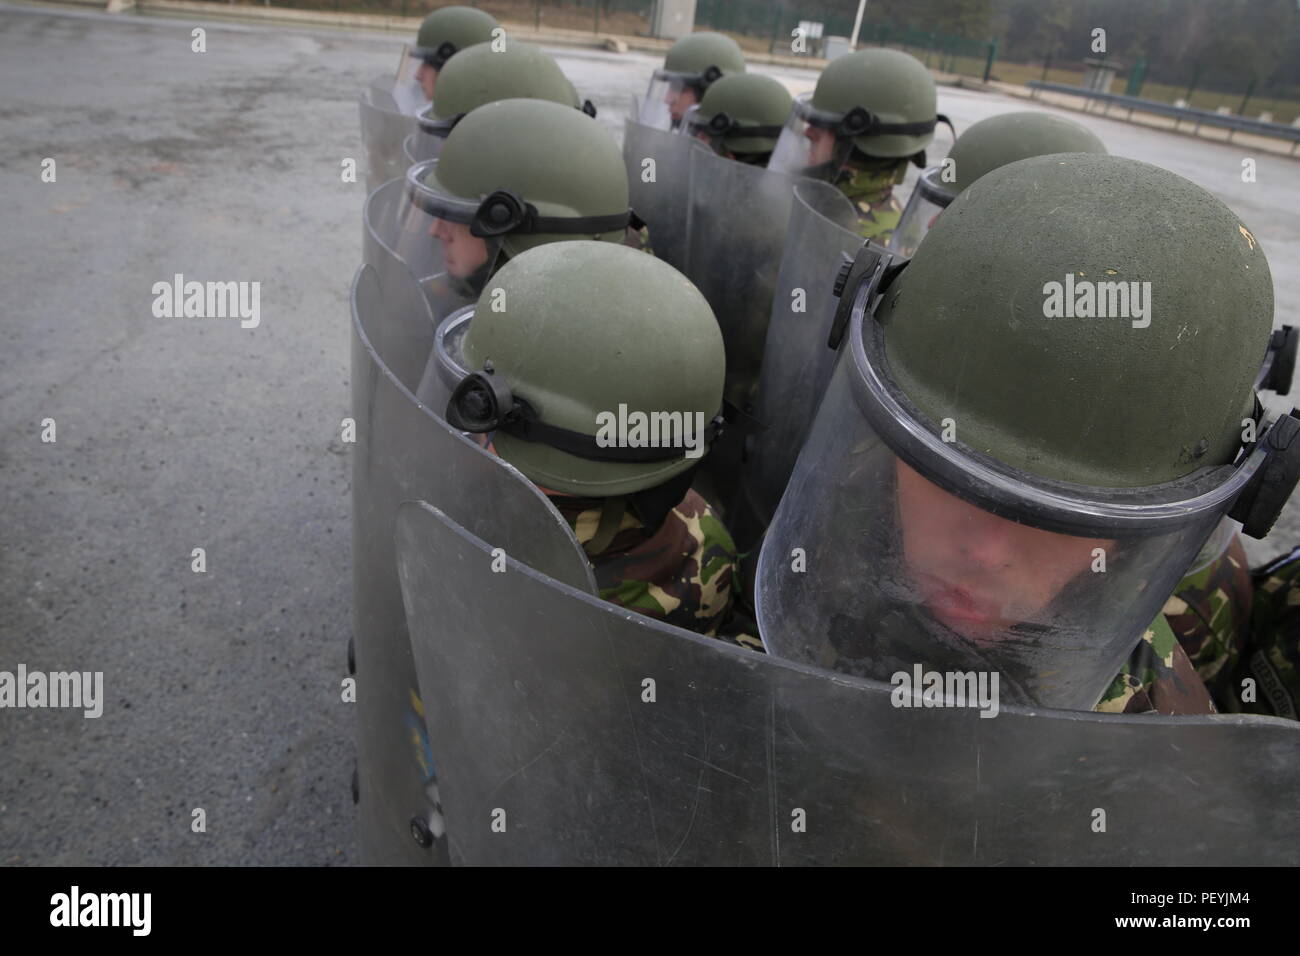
x=445, y=32
x=575, y=348
x=692, y=65
x=514, y=175
x=1034, y=487
x=871, y=113
x=986, y=146
x=741, y=117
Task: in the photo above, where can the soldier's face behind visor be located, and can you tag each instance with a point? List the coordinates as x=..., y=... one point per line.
x=427, y=77
x=979, y=574
x=822, y=149
x=679, y=98
x=462, y=251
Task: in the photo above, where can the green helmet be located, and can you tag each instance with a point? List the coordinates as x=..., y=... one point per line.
x=882, y=100
x=483, y=75
x=574, y=341
x=980, y=327
x=525, y=173
x=702, y=58
x=448, y=30
x=988, y=145
x=692, y=65
x=742, y=113
x=1003, y=139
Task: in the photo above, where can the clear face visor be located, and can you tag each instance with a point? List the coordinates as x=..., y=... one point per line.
x=464, y=239
x=919, y=551
x=447, y=367
x=930, y=197
x=447, y=240
x=429, y=137
x=413, y=83
x=811, y=143
x=667, y=99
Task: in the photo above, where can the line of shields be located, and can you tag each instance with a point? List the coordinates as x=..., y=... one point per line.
x=510, y=716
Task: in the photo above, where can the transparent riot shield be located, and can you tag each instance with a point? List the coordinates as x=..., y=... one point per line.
x=736, y=225
x=402, y=452
x=930, y=197
x=568, y=731
x=396, y=236
x=796, y=362
x=384, y=127
x=658, y=178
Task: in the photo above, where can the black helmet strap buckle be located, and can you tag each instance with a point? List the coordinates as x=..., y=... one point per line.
x=860, y=122
x=446, y=50
x=720, y=126
x=1276, y=373
x=1261, y=501
x=873, y=268
x=482, y=402
x=504, y=211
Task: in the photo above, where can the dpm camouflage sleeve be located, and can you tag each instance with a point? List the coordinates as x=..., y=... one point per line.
x=1157, y=678
x=680, y=572
x=872, y=195
x=1210, y=614
x=878, y=220
x=1267, y=677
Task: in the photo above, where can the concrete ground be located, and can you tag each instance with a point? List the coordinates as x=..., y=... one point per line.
x=222, y=688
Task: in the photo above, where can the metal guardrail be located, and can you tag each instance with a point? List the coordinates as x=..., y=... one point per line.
x=1179, y=114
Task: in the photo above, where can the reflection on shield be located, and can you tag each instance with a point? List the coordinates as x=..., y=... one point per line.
x=658, y=180
x=568, y=731
x=796, y=362
x=403, y=452
x=384, y=127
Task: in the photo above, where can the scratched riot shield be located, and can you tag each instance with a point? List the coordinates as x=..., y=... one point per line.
x=568, y=731
x=658, y=178
x=404, y=451
x=384, y=128
x=796, y=362
x=396, y=235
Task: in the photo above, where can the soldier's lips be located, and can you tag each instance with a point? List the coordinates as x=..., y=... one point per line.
x=958, y=608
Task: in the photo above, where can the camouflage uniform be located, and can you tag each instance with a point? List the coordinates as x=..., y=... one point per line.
x=1157, y=678
x=1210, y=615
x=872, y=195
x=1271, y=660
x=680, y=573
